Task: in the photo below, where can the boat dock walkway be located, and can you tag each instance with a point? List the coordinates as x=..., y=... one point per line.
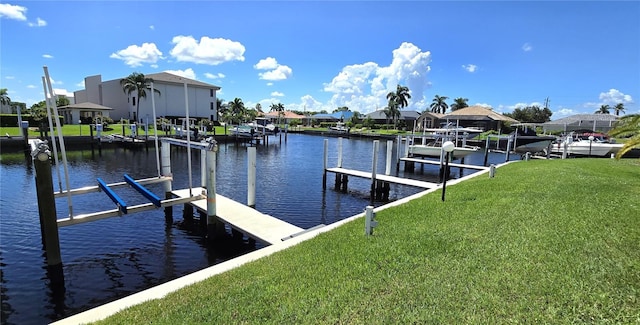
x=252, y=222
x=385, y=178
x=436, y=162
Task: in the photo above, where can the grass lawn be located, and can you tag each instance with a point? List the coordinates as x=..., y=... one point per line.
x=76, y=130
x=543, y=242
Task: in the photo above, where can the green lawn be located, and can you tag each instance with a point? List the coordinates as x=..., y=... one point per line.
x=543, y=242
x=76, y=130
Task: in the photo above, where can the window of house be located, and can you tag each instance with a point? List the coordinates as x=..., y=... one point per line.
x=210, y=92
x=134, y=101
x=212, y=107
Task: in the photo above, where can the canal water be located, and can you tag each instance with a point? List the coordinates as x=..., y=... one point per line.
x=111, y=258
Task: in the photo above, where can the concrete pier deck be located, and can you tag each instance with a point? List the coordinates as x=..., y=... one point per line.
x=252, y=222
x=437, y=162
x=382, y=177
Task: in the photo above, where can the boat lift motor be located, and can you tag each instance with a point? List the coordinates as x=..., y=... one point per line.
x=369, y=221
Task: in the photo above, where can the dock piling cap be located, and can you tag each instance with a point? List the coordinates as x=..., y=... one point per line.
x=41, y=151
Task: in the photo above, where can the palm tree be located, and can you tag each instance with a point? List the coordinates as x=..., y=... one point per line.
x=439, y=104
x=627, y=126
x=459, y=103
x=138, y=83
x=277, y=108
x=237, y=109
x=397, y=99
x=392, y=112
x=619, y=108
x=4, y=97
x=604, y=109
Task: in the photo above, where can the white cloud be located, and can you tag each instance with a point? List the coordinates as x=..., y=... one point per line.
x=39, y=23
x=135, y=56
x=269, y=83
x=80, y=84
x=277, y=94
x=363, y=87
x=59, y=92
x=266, y=64
x=277, y=71
x=13, y=11
x=527, y=47
x=282, y=72
x=10, y=77
x=614, y=96
x=152, y=27
x=188, y=73
x=47, y=56
x=563, y=112
x=214, y=76
x=470, y=67
x=31, y=86
x=212, y=51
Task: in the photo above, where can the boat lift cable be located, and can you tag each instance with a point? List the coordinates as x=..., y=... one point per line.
x=51, y=130
x=155, y=129
x=186, y=105
x=62, y=148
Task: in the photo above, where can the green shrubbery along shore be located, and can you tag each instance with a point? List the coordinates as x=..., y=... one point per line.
x=543, y=242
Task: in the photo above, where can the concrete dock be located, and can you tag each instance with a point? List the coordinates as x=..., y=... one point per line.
x=245, y=219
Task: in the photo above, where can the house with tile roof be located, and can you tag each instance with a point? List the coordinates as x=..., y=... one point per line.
x=591, y=122
x=479, y=117
x=170, y=103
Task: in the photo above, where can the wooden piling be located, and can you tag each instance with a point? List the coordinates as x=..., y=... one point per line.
x=389, y=157
x=373, y=169
x=339, y=153
x=166, y=171
x=398, y=142
x=251, y=177
x=486, y=151
x=212, y=220
x=345, y=183
x=324, y=162
x=187, y=213
x=47, y=208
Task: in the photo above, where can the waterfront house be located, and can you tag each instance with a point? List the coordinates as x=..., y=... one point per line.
x=170, y=103
x=479, y=117
x=591, y=122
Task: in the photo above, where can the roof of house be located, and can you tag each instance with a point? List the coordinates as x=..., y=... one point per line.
x=431, y=114
x=404, y=115
x=340, y=115
x=287, y=115
x=478, y=113
x=167, y=77
x=583, y=118
x=87, y=106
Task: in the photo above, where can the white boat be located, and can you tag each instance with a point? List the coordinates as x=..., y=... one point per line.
x=434, y=151
x=263, y=126
x=340, y=127
x=578, y=146
x=244, y=132
x=525, y=139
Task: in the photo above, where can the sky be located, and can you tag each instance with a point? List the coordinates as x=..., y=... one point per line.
x=321, y=55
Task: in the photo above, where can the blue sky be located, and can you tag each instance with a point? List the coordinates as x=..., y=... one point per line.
x=322, y=55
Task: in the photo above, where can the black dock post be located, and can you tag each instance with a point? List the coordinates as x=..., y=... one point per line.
x=47, y=205
x=486, y=152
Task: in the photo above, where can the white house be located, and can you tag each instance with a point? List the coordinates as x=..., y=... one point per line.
x=169, y=103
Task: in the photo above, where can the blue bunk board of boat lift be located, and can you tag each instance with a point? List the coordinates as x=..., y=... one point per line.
x=143, y=190
x=114, y=197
